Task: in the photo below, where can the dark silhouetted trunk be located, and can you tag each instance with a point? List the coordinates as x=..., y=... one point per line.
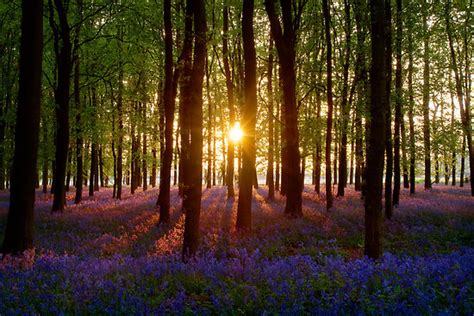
x=249, y=116
x=376, y=141
x=20, y=222
x=426, y=97
x=388, y=109
x=327, y=25
x=193, y=161
x=345, y=106
x=271, y=146
x=230, y=101
x=285, y=41
x=411, y=109
x=63, y=50
x=398, y=105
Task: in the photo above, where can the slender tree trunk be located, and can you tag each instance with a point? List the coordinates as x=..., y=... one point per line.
x=317, y=171
x=209, y=125
x=20, y=222
x=271, y=146
x=426, y=97
x=411, y=104
x=118, y=180
x=398, y=104
x=63, y=50
x=376, y=143
x=345, y=106
x=249, y=117
x=230, y=101
x=327, y=23
x=388, y=109
x=463, y=101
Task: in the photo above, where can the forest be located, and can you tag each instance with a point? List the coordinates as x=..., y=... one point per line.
x=236, y=157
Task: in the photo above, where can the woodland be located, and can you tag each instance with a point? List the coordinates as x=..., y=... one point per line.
x=236, y=157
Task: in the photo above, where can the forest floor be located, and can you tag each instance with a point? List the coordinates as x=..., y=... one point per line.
x=109, y=256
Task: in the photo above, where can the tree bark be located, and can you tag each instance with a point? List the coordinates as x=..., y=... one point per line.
x=327, y=25
x=376, y=143
x=249, y=116
x=398, y=104
x=345, y=106
x=20, y=221
x=230, y=101
x=193, y=162
x=285, y=41
x=63, y=50
x=271, y=146
x=426, y=97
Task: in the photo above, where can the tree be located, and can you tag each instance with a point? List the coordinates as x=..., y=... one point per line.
x=345, y=106
x=388, y=109
x=327, y=26
x=249, y=114
x=285, y=42
x=376, y=142
x=426, y=96
x=63, y=51
x=169, y=105
x=19, y=228
x=398, y=104
x=193, y=162
x=230, y=101
x=271, y=145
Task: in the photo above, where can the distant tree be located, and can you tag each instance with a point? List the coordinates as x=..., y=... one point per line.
x=20, y=222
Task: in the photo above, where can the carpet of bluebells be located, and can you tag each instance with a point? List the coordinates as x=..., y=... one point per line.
x=111, y=257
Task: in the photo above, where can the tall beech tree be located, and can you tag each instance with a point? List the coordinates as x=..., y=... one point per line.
x=285, y=42
x=193, y=161
x=248, y=119
x=426, y=95
x=327, y=26
x=388, y=109
x=63, y=52
x=169, y=107
x=398, y=104
x=230, y=102
x=20, y=226
x=376, y=141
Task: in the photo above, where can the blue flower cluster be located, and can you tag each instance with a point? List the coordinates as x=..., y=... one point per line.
x=241, y=284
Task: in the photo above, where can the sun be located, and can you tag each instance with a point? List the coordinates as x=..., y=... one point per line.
x=235, y=134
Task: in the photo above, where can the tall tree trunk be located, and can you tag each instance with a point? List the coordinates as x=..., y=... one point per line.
x=193, y=162
x=209, y=125
x=119, y=179
x=388, y=109
x=345, y=106
x=285, y=41
x=411, y=106
x=249, y=117
x=426, y=97
x=271, y=146
x=63, y=50
x=230, y=101
x=376, y=143
x=398, y=104
x=327, y=26
x=317, y=171
x=360, y=8
x=463, y=101
x=20, y=221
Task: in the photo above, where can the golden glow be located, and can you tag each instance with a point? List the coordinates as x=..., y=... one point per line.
x=235, y=134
